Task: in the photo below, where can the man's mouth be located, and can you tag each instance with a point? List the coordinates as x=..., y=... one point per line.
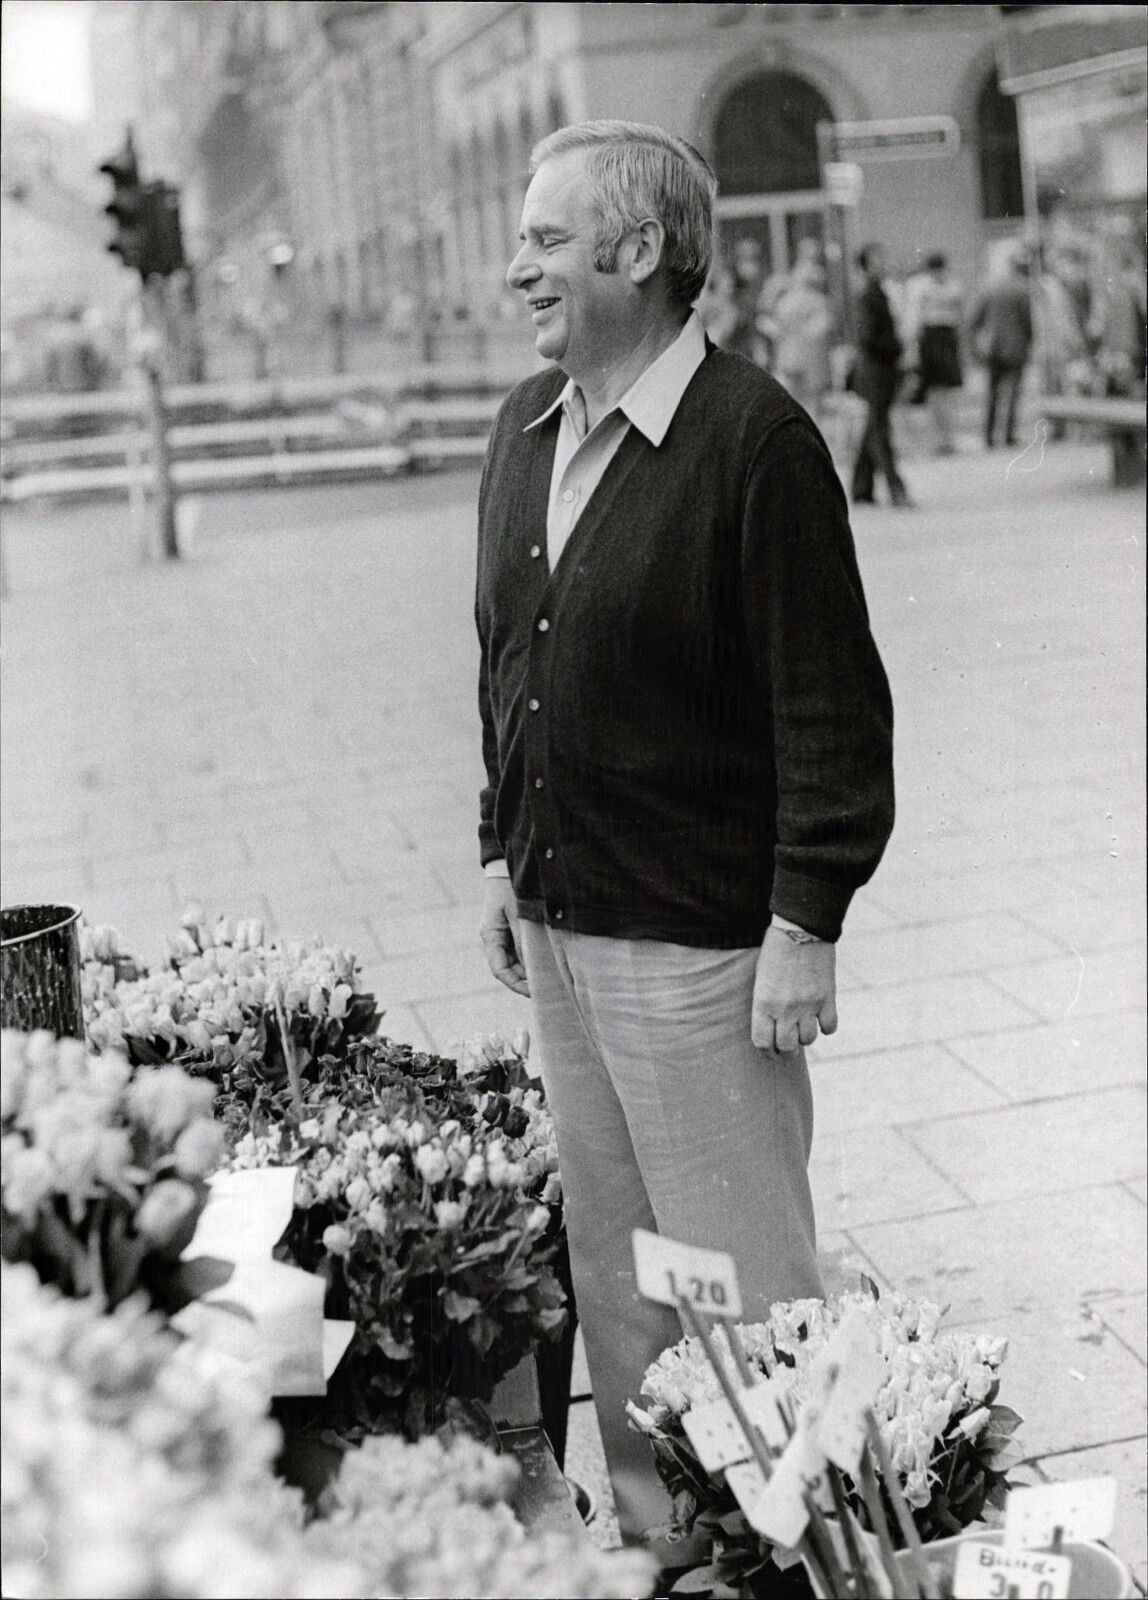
x=543, y=303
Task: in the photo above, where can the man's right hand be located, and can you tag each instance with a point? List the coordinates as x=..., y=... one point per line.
x=498, y=931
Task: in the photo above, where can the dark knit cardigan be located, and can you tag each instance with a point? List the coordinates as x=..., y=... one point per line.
x=687, y=725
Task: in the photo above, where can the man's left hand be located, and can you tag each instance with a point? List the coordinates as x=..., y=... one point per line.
x=794, y=993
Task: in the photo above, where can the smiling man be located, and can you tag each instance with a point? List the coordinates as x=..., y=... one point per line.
x=687, y=733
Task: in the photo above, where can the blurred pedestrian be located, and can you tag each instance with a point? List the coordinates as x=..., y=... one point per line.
x=1065, y=364
x=874, y=378
x=717, y=307
x=1001, y=325
x=933, y=317
x=748, y=275
x=799, y=333
x=1118, y=326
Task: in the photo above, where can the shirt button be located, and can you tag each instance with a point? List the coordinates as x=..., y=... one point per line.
x=535, y=551
x=568, y=495
x=543, y=626
x=538, y=783
x=534, y=704
x=549, y=855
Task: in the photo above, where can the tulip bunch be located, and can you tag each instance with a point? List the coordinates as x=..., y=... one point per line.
x=103, y=1168
x=433, y=1519
x=431, y=1241
x=948, y=1441
x=133, y=1468
x=229, y=1005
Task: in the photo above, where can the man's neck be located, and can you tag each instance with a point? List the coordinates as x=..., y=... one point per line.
x=605, y=385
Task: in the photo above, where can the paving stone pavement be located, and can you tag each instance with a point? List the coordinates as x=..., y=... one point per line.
x=283, y=724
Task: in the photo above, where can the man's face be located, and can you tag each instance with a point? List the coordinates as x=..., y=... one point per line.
x=579, y=314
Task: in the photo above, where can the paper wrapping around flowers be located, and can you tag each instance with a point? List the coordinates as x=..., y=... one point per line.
x=268, y=1316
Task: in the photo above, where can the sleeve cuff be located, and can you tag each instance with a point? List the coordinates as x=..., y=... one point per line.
x=496, y=869
x=811, y=903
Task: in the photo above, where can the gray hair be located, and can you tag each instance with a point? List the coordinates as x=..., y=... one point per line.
x=639, y=172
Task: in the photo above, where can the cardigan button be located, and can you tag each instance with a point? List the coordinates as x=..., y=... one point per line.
x=559, y=914
x=535, y=705
x=535, y=551
x=538, y=783
x=543, y=626
x=549, y=853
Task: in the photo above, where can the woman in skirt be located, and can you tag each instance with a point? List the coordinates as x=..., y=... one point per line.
x=934, y=320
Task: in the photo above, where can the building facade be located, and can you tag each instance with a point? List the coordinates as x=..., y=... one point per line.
x=365, y=162
x=748, y=84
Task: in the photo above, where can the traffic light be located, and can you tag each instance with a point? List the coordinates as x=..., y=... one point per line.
x=162, y=252
x=127, y=203
x=148, y=236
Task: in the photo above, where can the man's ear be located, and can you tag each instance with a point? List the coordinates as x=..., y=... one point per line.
x=647, y=244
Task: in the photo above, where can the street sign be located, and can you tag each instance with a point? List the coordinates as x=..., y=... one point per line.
x=897, y=139
x=844, y=183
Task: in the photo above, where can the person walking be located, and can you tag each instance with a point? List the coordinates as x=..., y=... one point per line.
x=799, y=333
x=1001, y=326
x=874, y=378
x=933, y=314
x=687, y=734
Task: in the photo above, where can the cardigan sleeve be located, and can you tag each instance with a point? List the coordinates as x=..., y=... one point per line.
x=821, y=676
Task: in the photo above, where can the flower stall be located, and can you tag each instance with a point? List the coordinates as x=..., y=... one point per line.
x=411, y=1204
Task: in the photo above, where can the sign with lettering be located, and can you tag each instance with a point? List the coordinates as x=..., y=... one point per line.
x=989, y=1572
x=670, y=1272
x=895, y=139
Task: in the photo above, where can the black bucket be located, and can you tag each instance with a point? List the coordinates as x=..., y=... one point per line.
x=40, y=964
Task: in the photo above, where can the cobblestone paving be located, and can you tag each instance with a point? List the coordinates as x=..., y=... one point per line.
x=283, y=724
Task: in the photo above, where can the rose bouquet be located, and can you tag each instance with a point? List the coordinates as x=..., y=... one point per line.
x=486, y=1087
x=433, y=1519
x=949, y=1443
x=246, y=1013
x=131, y=1468
x=103, y=1170
x=428, y=1242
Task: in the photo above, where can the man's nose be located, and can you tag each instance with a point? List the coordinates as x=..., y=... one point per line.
x=522, y=270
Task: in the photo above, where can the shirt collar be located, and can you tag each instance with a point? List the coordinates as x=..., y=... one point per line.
x=653, y=398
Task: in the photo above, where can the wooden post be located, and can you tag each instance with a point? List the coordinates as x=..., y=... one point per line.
x=166, y=544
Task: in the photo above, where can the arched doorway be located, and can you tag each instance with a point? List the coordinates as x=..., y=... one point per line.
x=764, y=151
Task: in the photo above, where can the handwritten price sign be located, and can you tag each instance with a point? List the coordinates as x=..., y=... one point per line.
x=669, y=1273
x=988, y=1572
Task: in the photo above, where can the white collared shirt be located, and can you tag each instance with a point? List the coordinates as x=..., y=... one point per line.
x=581, y=457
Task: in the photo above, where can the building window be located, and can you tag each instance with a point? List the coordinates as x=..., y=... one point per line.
x=765, y=137
x=998, y=141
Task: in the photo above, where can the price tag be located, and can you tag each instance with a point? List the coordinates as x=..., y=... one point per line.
x=669, y=1272
x=989, y=1572
x=1083, y=1510
x=716, y=1435
x=853, y=1371
x=761, y=1407
x=778, y=1508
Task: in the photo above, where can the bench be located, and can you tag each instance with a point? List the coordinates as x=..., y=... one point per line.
x=1121, y=420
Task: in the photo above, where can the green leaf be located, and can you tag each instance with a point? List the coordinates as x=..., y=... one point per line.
x=699, y=1581
x=1003, y=1419
x=189, y=1280
x=459, y=1307
x=1009, y=1455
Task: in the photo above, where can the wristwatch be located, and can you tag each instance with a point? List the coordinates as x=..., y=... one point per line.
x=793, y=933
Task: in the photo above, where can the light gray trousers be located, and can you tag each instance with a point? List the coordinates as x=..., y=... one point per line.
x=667, y=1118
